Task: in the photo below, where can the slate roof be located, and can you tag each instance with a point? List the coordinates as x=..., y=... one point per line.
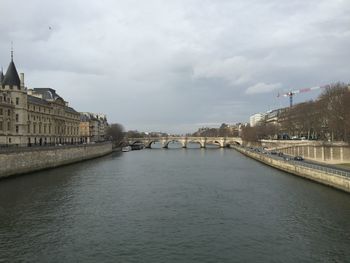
x=1, y=76
x=11, y=77
x=71, y=110
x=36, y=100
x=84, y=118
x=47, y=93
x=87, y=116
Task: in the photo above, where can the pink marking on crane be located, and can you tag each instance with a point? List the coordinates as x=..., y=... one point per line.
x=305, y=90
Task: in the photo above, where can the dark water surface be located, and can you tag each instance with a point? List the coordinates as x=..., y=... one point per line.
x=178, y=205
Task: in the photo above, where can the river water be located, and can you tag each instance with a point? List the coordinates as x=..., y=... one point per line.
x=192, y=205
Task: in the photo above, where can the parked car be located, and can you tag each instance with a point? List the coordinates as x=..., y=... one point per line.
x=280, y=154
x=298, y=158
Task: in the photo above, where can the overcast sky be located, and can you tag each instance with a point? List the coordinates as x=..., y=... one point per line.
x=177, y=65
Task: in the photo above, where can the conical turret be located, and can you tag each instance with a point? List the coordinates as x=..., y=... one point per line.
x=11, y=77
x=1, y=76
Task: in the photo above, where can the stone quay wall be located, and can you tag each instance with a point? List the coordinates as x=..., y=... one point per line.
x=25, y=160
x=323, y=177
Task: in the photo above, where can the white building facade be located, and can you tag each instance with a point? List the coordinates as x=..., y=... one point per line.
x=256, y=119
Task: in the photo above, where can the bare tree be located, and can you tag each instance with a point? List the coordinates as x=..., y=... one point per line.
x=115, y=132
x=335, y=101
x=249, y=134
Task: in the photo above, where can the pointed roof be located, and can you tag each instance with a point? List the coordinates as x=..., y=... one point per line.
x=11, y=77
x=1, y=76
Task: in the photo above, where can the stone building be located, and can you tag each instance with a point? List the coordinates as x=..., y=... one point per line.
x=36, y=116
x=256, y=119
x=92, y=127
x=84, y=129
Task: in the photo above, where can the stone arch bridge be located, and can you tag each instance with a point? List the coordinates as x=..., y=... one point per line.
x=202, y=141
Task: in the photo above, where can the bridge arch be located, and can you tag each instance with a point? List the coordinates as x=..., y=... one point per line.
x=201, y=145
x=183, y=145
x=149, y=143
x=136, y=142
x=234, y=142
x=215, y=142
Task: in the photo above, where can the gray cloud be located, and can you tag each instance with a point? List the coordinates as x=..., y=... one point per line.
x=174, y=65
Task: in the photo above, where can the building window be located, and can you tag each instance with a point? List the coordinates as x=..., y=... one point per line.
x=16, y=128
x=28, y=128
x=10, y=140
x=1, y=111
x=8, y=113
x=8, y=126
x=1, y=125
x=17, y=101
x=16, y=117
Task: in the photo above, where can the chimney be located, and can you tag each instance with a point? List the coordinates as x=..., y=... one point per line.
x=22, y=79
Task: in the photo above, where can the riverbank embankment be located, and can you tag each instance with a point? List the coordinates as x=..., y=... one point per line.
x=26, y=160
x=326, y=176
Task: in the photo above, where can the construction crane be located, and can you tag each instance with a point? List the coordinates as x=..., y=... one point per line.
x=290, y=94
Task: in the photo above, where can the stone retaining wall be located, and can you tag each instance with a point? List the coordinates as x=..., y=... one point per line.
x=334, y=180
x=26, y=160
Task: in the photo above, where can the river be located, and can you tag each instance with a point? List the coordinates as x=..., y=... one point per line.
x=175, y=205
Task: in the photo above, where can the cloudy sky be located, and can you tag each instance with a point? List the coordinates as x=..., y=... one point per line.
x=176, y=65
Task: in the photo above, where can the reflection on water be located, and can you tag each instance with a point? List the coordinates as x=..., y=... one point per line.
x=171, y=206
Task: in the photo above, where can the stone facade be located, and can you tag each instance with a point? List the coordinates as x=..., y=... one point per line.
x=36, y=116
x=6, y=116
x=256, y=119
x=93, y=127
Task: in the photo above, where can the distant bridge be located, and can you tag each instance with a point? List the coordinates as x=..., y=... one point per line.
x=184, y=141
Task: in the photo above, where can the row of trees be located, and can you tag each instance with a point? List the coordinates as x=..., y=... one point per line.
x=327, y=118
